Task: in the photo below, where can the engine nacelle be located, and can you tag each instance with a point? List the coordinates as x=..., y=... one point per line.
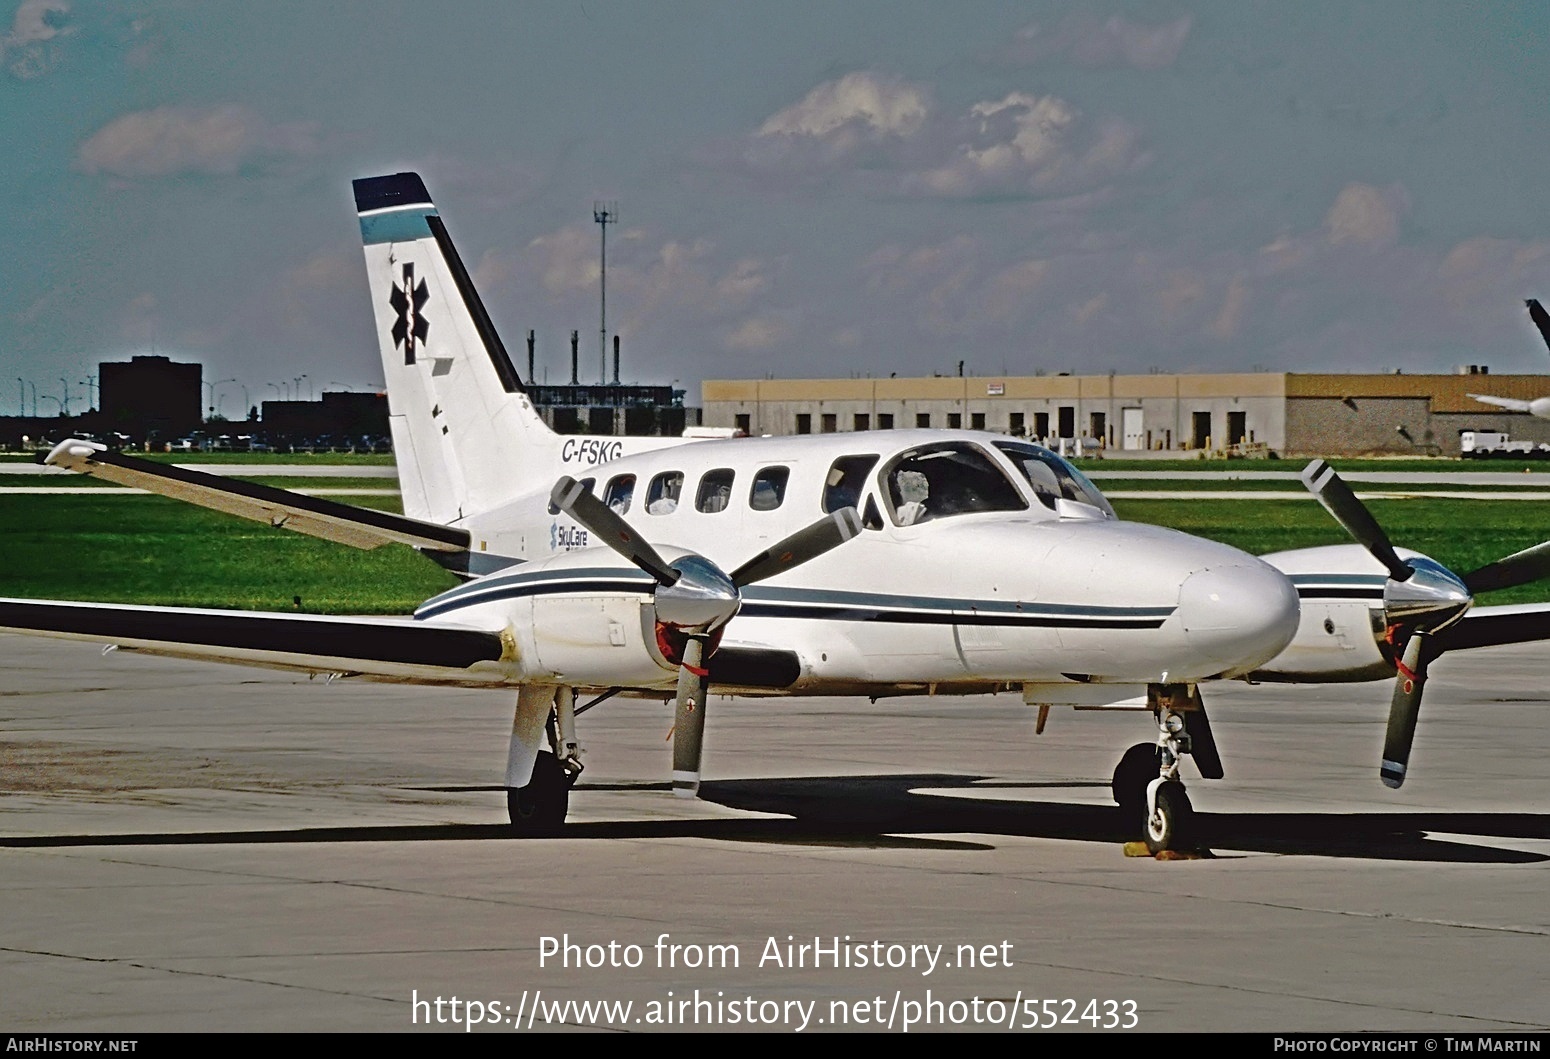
x=577, y=618
x=1341, y=635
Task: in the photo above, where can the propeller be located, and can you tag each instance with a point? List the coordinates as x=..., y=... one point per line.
x=695, y=599
x=1421, y=598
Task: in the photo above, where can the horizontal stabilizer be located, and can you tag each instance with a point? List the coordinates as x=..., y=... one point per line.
x=392, y=648
x=1509, y=403
x=356, y=526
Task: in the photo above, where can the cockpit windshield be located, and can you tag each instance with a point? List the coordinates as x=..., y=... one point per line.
x=948, y=478
x=1052, y=478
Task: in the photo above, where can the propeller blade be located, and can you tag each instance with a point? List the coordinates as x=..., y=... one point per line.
x=1519, y=568
x=1351, y=513
x=1404, y=711
x=827, y=533
x=571, y=497
x=689, y=720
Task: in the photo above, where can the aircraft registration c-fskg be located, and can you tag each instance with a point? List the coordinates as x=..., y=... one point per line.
x=895, y=562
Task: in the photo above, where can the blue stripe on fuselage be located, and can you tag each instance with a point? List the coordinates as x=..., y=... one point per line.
x=812, y=603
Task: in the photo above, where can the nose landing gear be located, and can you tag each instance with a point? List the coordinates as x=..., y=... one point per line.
x=1146, y=782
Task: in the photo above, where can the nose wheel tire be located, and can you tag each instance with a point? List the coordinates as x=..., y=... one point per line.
x=1170, y=824
x=540, y=807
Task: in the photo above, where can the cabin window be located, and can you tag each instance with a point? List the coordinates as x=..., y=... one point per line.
x=1052, y=478
x=845, y=481
x=715, y=491
x=662, y=495
x=586, y=483
x=619, y=492
x=946, y=479
x=769, y=488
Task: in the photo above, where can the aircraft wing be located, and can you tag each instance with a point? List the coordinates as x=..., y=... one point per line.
x=395, y=649
x=356, y=526
x=1503, y=402
x=1496, y=626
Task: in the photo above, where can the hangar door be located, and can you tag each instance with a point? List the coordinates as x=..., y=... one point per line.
x=1131, y=427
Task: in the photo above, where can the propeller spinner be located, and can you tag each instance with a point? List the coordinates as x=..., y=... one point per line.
x=695, y=599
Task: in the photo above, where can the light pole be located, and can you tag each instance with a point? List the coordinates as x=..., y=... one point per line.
x=604, y=213
x=214, y=386
x=64, y=405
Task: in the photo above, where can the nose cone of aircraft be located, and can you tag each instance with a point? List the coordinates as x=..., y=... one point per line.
x=1239, y=615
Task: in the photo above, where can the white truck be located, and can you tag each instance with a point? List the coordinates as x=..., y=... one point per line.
x=1482, y=444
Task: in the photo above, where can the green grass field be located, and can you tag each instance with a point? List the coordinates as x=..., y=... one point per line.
x=147, y=549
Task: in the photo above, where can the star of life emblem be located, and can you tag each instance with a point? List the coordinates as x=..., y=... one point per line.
x=407, y=301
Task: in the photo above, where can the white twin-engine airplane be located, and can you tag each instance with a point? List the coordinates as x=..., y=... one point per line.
x=893, y=562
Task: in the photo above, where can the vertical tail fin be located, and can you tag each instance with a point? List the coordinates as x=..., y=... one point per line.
x=463, y=426
x=1541, y=319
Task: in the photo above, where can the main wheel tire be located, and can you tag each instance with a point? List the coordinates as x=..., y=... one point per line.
x=540, y=807
x=1138, y=767
x=1171, y=824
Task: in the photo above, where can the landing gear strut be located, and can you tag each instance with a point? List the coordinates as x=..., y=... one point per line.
x=544, y=715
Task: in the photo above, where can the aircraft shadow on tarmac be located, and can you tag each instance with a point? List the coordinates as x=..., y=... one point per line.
x=891, y=812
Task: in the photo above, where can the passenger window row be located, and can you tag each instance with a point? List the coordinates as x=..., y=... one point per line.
x=714, y=493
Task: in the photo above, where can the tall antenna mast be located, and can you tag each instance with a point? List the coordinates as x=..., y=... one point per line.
x=604, y=213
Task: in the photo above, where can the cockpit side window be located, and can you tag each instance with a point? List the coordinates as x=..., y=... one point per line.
x=662, y=495
x=946, y=479
x=1052, y=478
x=619, y=492
x=846, y=480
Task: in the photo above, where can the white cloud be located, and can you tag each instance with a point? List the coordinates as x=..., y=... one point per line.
x=858, y=104
x=1364, y=215
x=1089, y=40
x=760, y=332
x=881, y=135
x=1037, y=145
x=174, y=140
x=30, y=48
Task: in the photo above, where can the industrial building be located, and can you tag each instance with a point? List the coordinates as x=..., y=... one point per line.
x=149, y=397
x=1258, y=412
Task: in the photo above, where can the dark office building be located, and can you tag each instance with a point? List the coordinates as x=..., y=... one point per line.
x=604, y=408
x=341, y=417
x=150, y=396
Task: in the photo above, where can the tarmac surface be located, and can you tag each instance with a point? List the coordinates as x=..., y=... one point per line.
x=196, y=847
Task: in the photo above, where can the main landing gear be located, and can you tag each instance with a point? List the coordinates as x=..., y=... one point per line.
x=545, y=715
x=1146, y=781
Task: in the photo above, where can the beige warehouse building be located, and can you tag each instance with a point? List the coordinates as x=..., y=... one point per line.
x=1279, y=412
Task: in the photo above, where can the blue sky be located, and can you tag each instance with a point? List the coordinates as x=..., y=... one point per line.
x=806, y=189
